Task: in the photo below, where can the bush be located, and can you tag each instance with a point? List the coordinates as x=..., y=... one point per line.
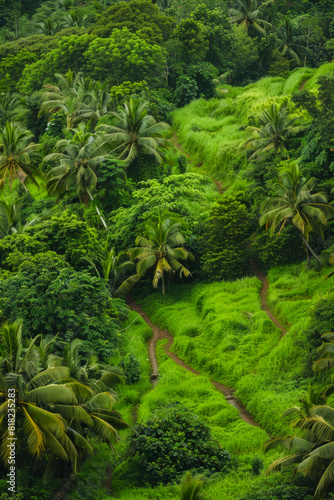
x=224, y=241
x=131, y=368
x=173, y=442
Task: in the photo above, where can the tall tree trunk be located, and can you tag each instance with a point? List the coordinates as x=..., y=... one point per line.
x=163, y=284
x=98, y=211
x=310, y=249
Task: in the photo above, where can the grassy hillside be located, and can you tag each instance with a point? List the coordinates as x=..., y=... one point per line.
x=214, y=131
x=227, y=336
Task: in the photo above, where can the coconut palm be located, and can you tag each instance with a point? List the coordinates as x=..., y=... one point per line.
x=274, y=131
x=326, y=352
x=115, y=268
x=66, y=96
x=161, y=249
x=33, y=390
x=52, y=406
x=135, y=131
x=17, y=154
x=296, y=204
x=94, y=104
x=49, y=27
x=9, y=218
x=78, y=159
x=291, y=42
x=248, y=13
x=11, y=106
x=10, y=221
x=190, y=488
x=313, y=450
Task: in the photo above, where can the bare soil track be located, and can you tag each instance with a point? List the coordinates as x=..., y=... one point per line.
x=263, y=296
x=159, y=334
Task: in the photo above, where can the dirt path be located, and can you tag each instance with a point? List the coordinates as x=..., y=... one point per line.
x=159, y=334
x=303, y=84
x=263, y=296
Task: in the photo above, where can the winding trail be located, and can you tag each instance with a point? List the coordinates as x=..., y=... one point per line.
x=263, y=296
x=159, y=334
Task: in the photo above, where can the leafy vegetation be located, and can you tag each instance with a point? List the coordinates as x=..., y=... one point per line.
x=187, y=145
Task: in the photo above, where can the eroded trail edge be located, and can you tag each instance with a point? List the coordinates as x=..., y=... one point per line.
x=159, y=334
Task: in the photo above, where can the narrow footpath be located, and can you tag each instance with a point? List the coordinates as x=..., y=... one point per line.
x=159, y=334
x=263, y=296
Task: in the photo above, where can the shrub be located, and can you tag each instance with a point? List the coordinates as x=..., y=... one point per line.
x=131, y=368
x=175, y=441
x=224, y=241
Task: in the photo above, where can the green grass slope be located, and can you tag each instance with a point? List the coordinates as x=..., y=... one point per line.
x=221, y=330
x=213, y=131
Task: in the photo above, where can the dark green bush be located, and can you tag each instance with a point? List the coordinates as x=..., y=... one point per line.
x=173, y=442
x=223, y=245
x=131, y=368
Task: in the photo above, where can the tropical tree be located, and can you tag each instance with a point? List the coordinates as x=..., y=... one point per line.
x=33, y=390
x=11, y=106
x=17, y=154
x=52, y=407
x=94, y=104
x=135, y=131
x=161, y=249
x=66, y=96
x=274, y=131
x=326, y=352
x=296, y=204
x=291, y=42
x=90, y=372
x=312, y=450
x=78, y=159
x=247, y=13
x=115, y=269
x=9, y=218
x=10, y=221
x=190, y=488
x=49, y=27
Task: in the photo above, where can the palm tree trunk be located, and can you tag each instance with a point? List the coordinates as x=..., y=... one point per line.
x=163, y=284
x=98, y=211
x=310, y=249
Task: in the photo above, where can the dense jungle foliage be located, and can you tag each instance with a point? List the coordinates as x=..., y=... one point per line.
x=167, y=154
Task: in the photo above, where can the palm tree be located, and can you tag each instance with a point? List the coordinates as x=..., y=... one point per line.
x=274, y=131
x=313, y=451
x=66, y=96
x=78, y=160
x=9, y=218
x=161, y=250
x=291, y=43
x=115, y=268
x=135, y=131
x=296, y=204
x=33, y=390
x=248, y=13
x=94, y=104
x=190, y=488
x=326, y=351
x=52, y=407
x=49, y=27
x=11, y=106
x=17, y=154
x=10, y=221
